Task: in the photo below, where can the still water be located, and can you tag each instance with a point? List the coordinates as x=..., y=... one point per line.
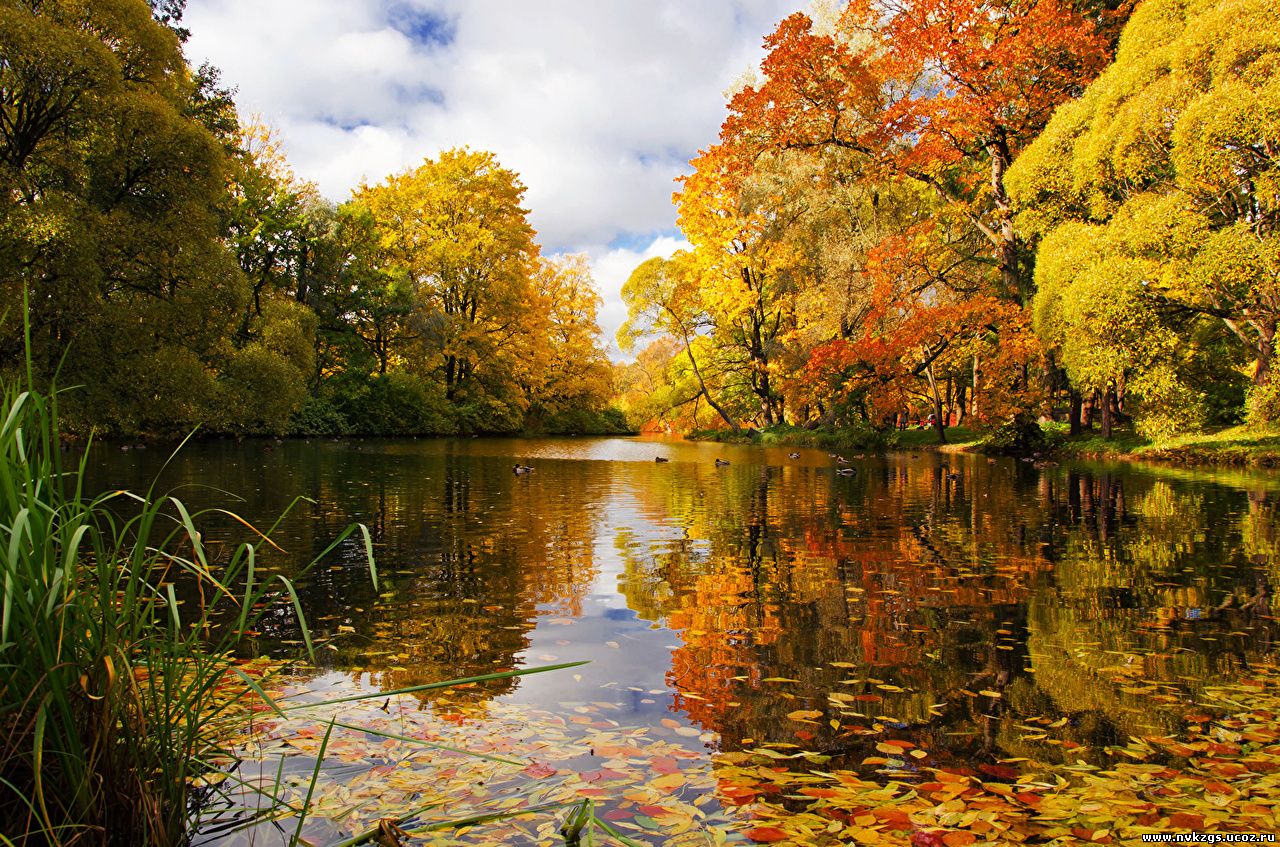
x=981, y=611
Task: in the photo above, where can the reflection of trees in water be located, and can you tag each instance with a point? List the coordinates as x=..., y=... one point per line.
x=941, y=581
x=468, y=557
x=1065, y=592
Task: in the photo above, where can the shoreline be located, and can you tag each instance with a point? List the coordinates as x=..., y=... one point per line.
x=1241, y=447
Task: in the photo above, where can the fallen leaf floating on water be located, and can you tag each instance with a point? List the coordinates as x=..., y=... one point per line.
x=1221, y=773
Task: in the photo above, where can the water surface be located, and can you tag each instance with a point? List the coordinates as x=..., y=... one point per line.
x=983, y=611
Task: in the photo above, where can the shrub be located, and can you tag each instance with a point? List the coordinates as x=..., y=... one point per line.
x=1263, y=403
x=398, y=404
x=318, y=416
x=1020, y=436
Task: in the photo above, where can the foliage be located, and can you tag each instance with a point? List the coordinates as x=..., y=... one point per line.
x=397, y=404
x=1021, y=436
x=1157, y=212
x=112, y=200
x=319, y=416
x=854, y=254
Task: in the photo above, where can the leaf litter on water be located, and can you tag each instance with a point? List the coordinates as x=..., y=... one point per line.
x=1221, y=773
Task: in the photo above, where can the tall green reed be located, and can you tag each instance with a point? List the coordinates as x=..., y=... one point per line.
x=112, y=691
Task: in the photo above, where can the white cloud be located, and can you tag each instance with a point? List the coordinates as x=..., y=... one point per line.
x=611, y=267
x=598, y=105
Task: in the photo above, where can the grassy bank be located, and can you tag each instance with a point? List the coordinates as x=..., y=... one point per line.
x=118, y=644
x=853, y=438
x=1240, y=445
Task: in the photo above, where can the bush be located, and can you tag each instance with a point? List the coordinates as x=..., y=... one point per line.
x=857, y=436
x=319, y=416
x=1021, y=436
x=397, y=404
x=260, y=391
x=610, y=421
x=1263, y=403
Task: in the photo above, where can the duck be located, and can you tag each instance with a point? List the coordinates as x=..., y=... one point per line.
x=847, y=471
x=521, y=469
x=842, y=460
x=722, y=463
x=661, y=459
x=793, y=455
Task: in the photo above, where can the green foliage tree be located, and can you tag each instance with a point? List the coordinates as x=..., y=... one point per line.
x=1157, y=196
x=114, y=193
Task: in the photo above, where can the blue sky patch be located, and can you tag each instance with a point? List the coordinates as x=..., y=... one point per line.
x=640, y=241
x=424, y=27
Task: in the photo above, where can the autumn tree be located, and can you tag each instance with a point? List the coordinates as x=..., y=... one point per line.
x=663, y=297
x=738, y=224
x=1157, y=194
x=573, y=377
x=455, y=231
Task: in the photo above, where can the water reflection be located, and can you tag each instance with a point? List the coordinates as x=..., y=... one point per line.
x=982, y=610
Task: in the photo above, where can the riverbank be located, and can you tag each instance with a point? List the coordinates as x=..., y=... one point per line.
x=1242, y=446
x=855, y=438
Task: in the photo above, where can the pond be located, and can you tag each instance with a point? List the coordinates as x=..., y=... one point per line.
x=930, y=612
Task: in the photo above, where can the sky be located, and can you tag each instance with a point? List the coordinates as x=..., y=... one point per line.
x=597, y=104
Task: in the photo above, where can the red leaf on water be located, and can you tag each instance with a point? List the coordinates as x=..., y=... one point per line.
x=897, y=818
x=664, y=764
x=538, y=770
x=766, y=834
x=928, y=838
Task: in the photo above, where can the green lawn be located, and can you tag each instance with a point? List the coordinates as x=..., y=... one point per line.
x=915, y=438
x=1238, y=445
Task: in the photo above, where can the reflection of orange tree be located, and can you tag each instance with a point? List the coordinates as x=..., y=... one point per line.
x=911, y=596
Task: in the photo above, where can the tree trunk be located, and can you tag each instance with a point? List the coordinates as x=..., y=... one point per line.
x=939, y=425
x=1266, y=351
x=1073, y=415
x=973, y=403
x=688, y=349
x=1108, y=412
x=1006, y=238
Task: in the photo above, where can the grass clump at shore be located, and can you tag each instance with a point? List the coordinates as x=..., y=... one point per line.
x=785, y=435
x=843, y=438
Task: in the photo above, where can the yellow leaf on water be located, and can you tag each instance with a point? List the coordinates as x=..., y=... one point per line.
x=804, y=715
x=668, y=782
